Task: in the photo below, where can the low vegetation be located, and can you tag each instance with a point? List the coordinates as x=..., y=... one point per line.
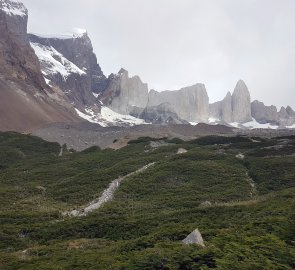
x=208, y=188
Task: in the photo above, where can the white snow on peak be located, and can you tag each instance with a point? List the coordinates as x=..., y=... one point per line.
x=293, y=126
x=70, y=34
x=77, y=32
x=13, y=8
x=53, y=62
x=107, y=117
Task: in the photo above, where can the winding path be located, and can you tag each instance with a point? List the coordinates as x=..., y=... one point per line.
x=107, y=195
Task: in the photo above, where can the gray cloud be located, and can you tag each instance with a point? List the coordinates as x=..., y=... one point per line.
x=175, y=43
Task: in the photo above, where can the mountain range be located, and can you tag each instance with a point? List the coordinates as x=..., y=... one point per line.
x=50, y=79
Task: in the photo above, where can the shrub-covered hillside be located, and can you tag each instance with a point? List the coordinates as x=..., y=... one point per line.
x=239, y=192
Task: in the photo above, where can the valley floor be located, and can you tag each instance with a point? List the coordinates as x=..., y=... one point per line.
x=238, y=192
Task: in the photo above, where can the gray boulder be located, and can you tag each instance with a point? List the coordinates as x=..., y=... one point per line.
x=194, y=237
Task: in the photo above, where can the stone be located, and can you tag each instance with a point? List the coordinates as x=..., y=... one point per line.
x=181, y=151
x=194, y=237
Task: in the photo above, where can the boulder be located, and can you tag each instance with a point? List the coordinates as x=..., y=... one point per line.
x=194, y=237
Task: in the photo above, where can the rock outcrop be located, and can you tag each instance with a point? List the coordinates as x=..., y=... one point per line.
x=264, y=114
x=222, y=110
x=241, y=103
x=190, y=103
x=286, y=116
x=125, y=95
x=68, y=61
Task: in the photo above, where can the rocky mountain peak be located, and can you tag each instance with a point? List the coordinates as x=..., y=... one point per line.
x=241, y=103
x=123, y=71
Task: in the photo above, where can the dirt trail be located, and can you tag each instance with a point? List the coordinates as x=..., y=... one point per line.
x=107, y=195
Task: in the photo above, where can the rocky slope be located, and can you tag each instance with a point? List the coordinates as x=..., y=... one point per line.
x=26, y=101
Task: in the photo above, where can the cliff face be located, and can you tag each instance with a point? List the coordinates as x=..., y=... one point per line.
x=125, y=95
x=222, y=110
x=26, y=102
x=130, y=96
x=190, y=103
x=235, y=107
x=264, y=114
x=241, y=103
x=286, y=116
x=68, y=61
x=17, y=59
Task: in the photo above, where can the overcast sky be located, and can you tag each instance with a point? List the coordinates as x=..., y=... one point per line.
x=175, y=43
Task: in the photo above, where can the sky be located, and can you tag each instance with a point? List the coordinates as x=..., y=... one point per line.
x=171, y=44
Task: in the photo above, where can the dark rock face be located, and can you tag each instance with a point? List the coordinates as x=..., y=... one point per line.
x=264, y=114
x=81, y=75
x=161, y=114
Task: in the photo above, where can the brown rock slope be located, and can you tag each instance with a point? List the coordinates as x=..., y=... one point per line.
x=26, y=102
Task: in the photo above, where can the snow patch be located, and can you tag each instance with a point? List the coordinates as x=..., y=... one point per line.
x=107, y=117
x=293, y=126
x=47, y=81
x=71, y=34
x=53, y=62
x=254, y=124
x=14, y=8
x=193, y=123
x=96, y=95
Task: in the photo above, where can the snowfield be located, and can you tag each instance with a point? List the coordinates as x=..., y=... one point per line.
x=71, y=34
x=53, y=62
x=107, y=117
x=15, y=8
